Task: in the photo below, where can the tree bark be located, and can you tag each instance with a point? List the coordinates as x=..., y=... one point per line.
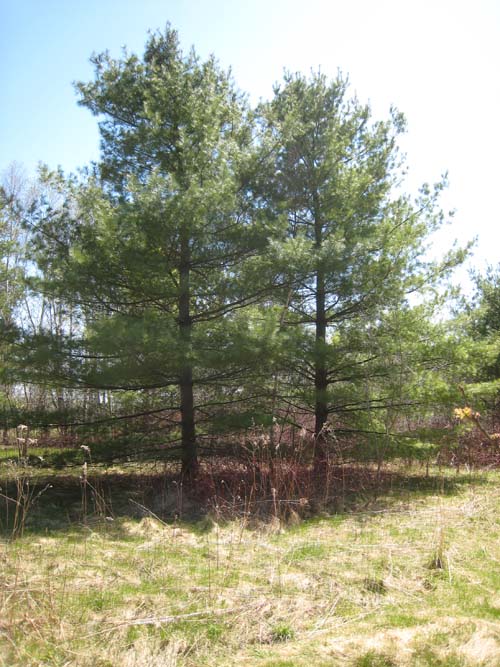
x=188, y=432
x=320, y=367
x=320, y=371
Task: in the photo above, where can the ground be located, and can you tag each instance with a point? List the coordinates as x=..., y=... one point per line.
x=408, y=578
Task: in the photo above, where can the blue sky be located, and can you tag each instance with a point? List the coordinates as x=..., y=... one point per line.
x=436, y=60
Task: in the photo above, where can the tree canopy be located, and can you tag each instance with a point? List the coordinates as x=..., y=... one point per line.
x=357, y=246
x=218, y=256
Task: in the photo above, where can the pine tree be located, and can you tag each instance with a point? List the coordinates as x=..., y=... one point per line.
x=356, y=245
x=159, y=245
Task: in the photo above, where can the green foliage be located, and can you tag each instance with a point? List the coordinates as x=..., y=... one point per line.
x=11, y=273
x=282, y=633
x=234, y=265
x=486, y=314
x=354, y=251
x=11, y=287
x=159, y=246
x=484, y=324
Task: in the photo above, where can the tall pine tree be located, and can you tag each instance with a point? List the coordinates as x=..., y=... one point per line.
x=158, y=246
x=356, y=245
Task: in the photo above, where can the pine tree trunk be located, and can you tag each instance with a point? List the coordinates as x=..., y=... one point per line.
x=188, y=431
x=320, y=368
x=320, y=371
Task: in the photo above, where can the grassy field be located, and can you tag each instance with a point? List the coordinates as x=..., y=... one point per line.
x=411, y=578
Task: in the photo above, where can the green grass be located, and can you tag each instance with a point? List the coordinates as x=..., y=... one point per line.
x=306, y=552
x=353, y=590
x=374, y=659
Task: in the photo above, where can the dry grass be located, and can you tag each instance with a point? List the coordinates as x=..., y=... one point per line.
x=410, y=581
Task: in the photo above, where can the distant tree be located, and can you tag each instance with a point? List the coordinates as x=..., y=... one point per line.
x=12, y=200
x=356, y=245
x=483, y=312
x=485, y=309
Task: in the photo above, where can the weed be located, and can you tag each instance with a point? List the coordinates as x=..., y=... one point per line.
x=375, y=585
x=374, y=659
x=398, y=619
x=427, y=657
x=282, y=632
x=306, y=552
x=214, y=631
x=27, y=494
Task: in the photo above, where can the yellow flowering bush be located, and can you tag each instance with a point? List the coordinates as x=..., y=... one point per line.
x=466, y=413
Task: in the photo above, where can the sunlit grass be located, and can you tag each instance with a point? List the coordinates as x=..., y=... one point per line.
x=355, y=589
